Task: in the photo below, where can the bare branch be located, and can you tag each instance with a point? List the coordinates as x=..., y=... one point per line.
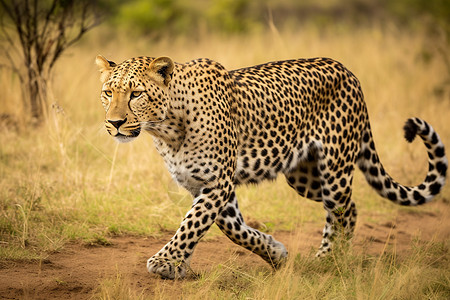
x=47, y=18
x=44, y=36
x=8, y=10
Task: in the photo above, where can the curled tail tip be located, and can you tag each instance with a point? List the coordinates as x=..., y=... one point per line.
x=408, y=195
x=411, y=130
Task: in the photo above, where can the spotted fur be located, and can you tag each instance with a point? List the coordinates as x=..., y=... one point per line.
x=217, y=129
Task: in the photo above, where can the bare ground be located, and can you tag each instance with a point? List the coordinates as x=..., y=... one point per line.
x=77, y=271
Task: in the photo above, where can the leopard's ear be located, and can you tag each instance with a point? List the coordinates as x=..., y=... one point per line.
x=161, y=69
x=105, y=66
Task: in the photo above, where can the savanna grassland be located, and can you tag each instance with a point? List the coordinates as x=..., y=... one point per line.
x=68, y=183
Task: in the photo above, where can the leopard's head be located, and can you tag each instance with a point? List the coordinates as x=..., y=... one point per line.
x=134, y=94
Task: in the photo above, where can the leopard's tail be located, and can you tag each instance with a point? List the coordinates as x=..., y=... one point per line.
x=369, y=163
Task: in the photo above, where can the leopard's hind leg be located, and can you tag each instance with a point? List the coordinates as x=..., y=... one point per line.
x=336, y=177
x=328, y=181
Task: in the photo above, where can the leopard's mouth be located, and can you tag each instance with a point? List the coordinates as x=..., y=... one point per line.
x=125, y=138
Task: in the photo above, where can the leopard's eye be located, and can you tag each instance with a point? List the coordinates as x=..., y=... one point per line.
x=136, y=94
x=108, y=93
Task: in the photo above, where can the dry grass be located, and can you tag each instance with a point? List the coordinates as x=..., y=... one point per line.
x=343, y=275
x=69, y=180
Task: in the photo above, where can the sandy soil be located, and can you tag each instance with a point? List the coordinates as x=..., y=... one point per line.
x=76, y=271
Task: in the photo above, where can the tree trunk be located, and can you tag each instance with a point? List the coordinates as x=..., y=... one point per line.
x=37, y=97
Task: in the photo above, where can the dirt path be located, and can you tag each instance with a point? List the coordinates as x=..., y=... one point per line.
x=77, y=270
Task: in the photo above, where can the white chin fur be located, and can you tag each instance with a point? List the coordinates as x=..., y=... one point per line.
x=125, y=139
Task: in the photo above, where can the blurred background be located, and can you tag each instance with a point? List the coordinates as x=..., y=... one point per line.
x=156, y=18
x=37, y=34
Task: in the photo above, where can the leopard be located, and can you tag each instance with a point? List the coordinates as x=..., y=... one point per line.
x=217, y=129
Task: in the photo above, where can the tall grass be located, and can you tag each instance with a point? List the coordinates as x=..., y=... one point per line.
x=68, y=180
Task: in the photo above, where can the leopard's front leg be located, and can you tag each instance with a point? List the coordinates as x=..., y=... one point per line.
x=172, y=261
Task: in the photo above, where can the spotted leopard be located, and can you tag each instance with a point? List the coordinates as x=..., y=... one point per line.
x=217, y=129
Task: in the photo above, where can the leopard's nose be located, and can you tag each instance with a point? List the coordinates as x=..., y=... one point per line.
x=117, y=123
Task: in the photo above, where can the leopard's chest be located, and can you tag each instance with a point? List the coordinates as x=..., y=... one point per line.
x=192, y=173
x=184, y=177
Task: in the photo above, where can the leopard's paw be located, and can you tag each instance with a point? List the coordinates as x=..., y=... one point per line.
x=279, y=254
x=166, y=268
